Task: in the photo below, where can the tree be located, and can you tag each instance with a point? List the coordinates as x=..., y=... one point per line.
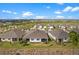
x=73, y=38
x=24, y=42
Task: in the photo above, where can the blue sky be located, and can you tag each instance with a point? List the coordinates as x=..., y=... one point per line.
x=39, y=10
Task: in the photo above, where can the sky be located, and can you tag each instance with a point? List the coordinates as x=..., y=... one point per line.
x=39, y=10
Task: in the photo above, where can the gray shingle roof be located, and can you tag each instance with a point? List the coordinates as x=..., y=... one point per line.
x=36, y=34
x=59, y=34
x=16, y=33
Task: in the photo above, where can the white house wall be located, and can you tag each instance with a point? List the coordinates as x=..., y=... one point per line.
x=8, y=40
x=65, y=40
x=35, y=40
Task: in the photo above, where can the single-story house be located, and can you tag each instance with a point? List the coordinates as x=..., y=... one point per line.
x=50, y=27
x=36, y=36
x=72, y=27
x=63, y=26
x=58, y=35
x=12, y=35
x=38, y=26
x=75, y=30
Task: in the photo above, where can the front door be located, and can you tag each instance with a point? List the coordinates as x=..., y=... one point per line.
x=60, y=41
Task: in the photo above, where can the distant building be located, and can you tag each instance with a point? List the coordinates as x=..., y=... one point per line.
x=39, y=26
x=50, y=27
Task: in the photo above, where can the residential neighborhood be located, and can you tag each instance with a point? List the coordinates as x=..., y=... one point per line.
x=38, y=32
x=39, y=36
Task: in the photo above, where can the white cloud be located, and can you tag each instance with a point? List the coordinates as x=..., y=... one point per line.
x=71, y=9
x=14, y=12
x=68, y=8
x=17, y=18
x=48, y=7
x=58, y=12
x=75, y=9
x=27, y=14
x=8, y=11
x=40, y=17
x=61, y=3
x=59, y=17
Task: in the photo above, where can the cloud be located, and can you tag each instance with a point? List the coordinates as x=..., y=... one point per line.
x=75, y=9
x=71, y=9
x=27, y=14
x=61, y=3
x=16, y=17
x=48, y=7
x=59, y=17
x=9, y=12
x=67, y=9
x=40, y=17
x=6, y=11
x=14, y=12
x=58, y=12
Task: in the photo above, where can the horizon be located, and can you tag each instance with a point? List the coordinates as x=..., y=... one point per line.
x=4, y=20
x=39, y=11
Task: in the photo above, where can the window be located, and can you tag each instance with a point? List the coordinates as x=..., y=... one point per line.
x=8, y=38
x=38, y=39
x=44, y=40
x=14, y=39
x=32, y=39
x=20, y=39
x=27, y=39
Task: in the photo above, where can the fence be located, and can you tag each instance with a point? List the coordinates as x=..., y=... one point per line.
x=39, y=51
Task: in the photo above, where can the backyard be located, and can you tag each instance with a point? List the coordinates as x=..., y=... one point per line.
x=38, y=48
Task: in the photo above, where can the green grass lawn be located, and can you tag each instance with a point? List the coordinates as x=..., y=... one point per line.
x=52, y=45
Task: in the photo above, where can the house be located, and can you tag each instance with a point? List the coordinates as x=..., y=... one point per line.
x=12, y=35
x=56, y=26
x=64, y=26
x=36, y=36
x=58, y=35
x=75, y=30
x=39, y=26
x=50, y=27
x=73, y=26
x=77, y=26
